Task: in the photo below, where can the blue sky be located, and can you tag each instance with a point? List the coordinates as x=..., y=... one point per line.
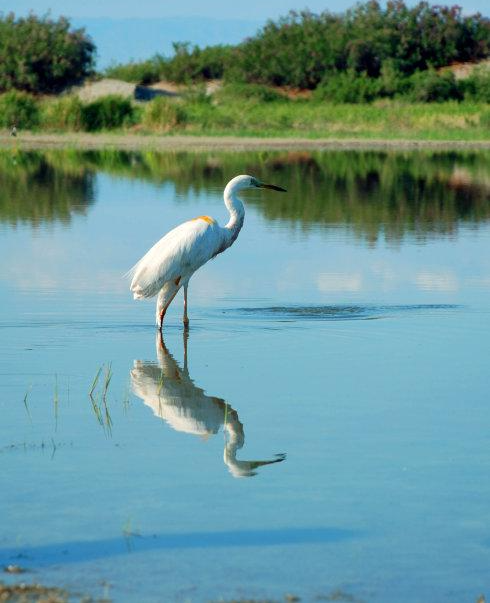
x=219, y=9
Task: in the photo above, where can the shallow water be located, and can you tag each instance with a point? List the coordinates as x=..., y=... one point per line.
x=324, y=429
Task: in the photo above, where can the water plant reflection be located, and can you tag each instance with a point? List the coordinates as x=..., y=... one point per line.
x=172, y=395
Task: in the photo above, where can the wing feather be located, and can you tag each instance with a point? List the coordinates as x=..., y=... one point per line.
x=178, y=254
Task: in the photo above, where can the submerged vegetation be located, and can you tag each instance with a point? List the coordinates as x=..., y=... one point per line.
x=373, y=193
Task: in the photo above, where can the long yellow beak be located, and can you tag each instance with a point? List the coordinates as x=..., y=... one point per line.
x=273, y=187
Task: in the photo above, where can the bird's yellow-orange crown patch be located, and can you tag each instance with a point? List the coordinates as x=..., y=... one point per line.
x=207, y=219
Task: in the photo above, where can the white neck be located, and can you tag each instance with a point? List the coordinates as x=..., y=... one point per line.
x=237, y=214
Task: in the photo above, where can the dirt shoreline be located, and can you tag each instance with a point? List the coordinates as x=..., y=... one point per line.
x=129, y=142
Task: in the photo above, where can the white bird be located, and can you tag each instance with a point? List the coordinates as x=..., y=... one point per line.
x=171, y=262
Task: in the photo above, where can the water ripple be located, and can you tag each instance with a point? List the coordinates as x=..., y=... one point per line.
x=339, y=312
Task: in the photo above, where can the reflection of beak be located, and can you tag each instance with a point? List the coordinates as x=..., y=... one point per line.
x=273, y=187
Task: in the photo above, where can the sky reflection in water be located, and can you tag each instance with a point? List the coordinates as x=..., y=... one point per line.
x=348, y=327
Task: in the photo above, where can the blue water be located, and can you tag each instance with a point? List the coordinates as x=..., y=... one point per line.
x=324, y=430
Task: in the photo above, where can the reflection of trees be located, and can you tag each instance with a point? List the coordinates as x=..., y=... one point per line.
x=372, y=193
x=397, y=194
x=37, y=188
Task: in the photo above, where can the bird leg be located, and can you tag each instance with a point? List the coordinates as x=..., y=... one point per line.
x=186, y=318
x=186, y=337
x=161, y=315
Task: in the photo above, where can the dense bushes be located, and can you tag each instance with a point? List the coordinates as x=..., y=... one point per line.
x=430, y=86
x=107, y=113
x=422, y=87
x=186, y=65
x=195, y=64
x=477, y=86
x=63, y=114
x=42, y=55
x=19, y=109
x=368, y=52
x=255, y=92
x=302, y=49
x=163, y=115
x=142, y=72
x=349, y=87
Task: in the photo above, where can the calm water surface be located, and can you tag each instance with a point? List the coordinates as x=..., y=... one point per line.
x=323, y=431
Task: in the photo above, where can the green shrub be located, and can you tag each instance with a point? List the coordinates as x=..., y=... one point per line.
x=349, y=87
x=39, y=54
x=392, y=82
x=107, y=113
x=477, y=86
x=19, y=109
x=188, y=64
x=196, y=64
x=256, y=92
x=163, y=115
x=485, y=119
x=430, y=86
x=140, y=72
x=300, y=49
x=63, y=114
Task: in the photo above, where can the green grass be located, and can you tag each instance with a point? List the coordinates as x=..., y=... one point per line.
x=242, y=111
x=98, y=397
x=310, y=119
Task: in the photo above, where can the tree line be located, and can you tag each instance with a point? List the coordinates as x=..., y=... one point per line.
x=370, y=49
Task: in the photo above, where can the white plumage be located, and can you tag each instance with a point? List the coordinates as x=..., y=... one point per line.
x=171, y=262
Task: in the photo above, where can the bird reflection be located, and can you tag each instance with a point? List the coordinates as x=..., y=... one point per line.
x=170, y=392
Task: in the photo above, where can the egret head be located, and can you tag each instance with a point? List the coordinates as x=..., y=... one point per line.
x=244, y=181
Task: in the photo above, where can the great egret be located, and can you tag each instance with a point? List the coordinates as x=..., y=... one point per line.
x=172, y=395
x=171, y=262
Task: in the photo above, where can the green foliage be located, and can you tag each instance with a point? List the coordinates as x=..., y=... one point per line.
x=255, y=92
x=302, y=49
x=106, y=113
x=477, y=85
x=139, y=72
x=19, y=109
x=191, y=64
x=163, y=115
x=349, y=87
x=188, y=64
x=63, y=114
x=485, y=119
x=42, y=55
x=430, y=86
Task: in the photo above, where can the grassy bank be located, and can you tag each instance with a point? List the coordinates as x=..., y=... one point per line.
x=250, y=111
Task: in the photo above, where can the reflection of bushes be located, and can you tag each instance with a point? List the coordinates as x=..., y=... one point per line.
x=370, y=193
x=34, y=190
